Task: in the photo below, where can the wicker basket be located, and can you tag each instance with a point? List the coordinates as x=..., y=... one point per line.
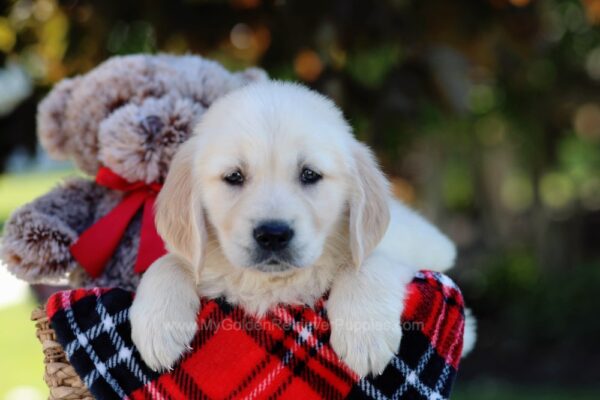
x=59, y=374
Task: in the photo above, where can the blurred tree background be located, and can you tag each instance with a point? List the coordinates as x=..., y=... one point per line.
x=485, y=113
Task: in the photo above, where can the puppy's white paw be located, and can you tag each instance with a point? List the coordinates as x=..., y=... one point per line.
x=366, y=346
x=364, y=309
x=162, y=341
x=163, y=314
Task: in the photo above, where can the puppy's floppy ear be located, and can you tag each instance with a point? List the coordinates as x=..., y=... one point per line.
x=369, y=208
x=179, y=216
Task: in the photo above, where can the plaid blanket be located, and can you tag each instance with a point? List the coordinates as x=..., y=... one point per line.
x=285, y=354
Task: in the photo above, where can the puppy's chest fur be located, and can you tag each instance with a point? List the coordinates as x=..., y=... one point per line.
x=258, y=292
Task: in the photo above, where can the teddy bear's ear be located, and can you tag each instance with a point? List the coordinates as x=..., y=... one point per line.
x=51, y=127
x=252, y=74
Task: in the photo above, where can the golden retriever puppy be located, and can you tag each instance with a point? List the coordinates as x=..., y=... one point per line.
x=274, y=201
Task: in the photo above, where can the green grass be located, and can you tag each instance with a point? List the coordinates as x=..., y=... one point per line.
x=18, y=189
x=21, y=358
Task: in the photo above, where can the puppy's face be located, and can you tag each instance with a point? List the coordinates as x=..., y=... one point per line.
x=273, y=190
x=275, y=172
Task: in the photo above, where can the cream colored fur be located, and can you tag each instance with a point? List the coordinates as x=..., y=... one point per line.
x=351, y=236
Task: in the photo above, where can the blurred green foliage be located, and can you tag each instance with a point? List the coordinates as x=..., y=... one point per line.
x=16, y=190
x=22, y=363
x=493, y=391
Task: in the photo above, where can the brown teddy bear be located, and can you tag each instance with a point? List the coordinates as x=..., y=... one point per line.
x=122, y=122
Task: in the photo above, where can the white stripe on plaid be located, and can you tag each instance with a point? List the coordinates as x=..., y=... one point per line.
x=412, y=376
x=153, y=390
x=271, y=377
x=445, y=373
x=412, y=379
x=88, y=347
x=305, y=331
x=370, y=390
x=95, y=331
x=123, y=354
x=305, y=336
x=443, y=279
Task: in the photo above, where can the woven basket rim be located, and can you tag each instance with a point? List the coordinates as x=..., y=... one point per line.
x=63, y=381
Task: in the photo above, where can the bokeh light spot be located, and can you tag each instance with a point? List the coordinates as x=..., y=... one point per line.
x=308, y=65
x=43, y=10
x=586, y=122
x=458, y=190
x=517, y=192
x=574, y=18
x=491, y=130
x=592, y=63
x=556, y=190
x=482, y=99
x=404, y=190
x=7, y=36
x=519, y=3
x=589, y=193
x=241, y=36
x=592, y=10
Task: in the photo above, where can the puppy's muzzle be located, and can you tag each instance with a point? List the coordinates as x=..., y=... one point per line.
x=273, y=236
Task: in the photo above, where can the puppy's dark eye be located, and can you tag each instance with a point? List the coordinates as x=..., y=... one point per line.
x=309, y=177
x=235, y=178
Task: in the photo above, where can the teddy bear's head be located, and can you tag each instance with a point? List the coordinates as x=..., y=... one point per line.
x=131, y=113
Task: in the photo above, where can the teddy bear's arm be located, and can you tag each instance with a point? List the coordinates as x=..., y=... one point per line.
x=37, y=237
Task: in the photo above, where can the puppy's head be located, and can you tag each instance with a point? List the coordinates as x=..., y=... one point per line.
x=274, y=171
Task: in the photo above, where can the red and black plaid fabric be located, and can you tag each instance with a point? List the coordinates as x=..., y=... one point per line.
x=285, y=354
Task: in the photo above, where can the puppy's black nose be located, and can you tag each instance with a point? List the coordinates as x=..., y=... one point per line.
x=273, y=235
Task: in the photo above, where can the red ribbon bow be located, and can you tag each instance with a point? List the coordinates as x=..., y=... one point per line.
x=97, y=244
